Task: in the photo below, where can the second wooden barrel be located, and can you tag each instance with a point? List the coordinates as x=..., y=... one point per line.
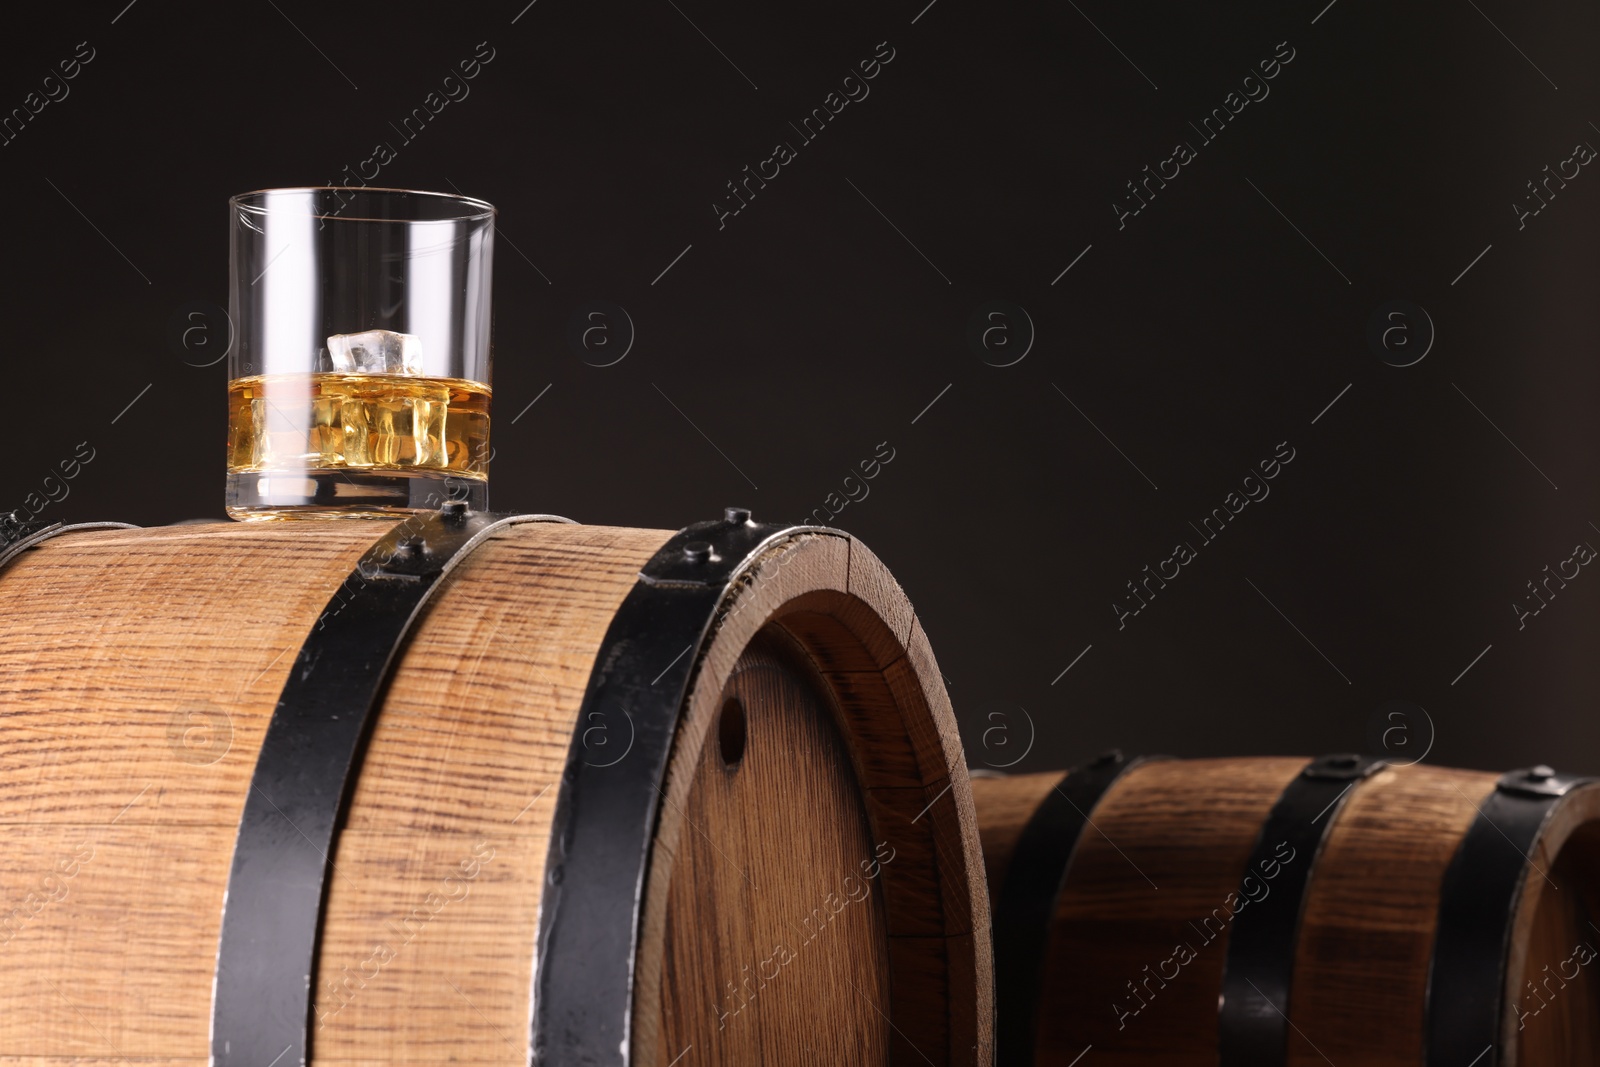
x=618, y=797
x=1266, y=912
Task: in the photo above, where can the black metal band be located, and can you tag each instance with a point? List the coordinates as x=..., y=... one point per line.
x=17, y=537
x=1253, y=1012
x=606, y=812
x=1477, y=905
x=267, y=953
x=1026, y=903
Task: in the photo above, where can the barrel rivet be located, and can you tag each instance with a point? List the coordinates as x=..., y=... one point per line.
x=737, y=516
x=410, y=548
x=1107, y=758
x=1342, y=762
x=453, y=510
x=697, y=551
x=1541, y=773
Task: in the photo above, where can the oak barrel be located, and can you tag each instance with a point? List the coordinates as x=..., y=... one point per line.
x=622, y=797
x=1278, y=911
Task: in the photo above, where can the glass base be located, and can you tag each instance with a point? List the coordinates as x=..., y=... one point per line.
x=255, y=496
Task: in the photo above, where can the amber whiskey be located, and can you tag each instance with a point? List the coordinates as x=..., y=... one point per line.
x=354, y=444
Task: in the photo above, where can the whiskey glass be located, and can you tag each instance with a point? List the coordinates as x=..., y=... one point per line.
x=359, y=373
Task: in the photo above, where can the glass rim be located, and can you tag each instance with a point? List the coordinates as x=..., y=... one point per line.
x=255, y=203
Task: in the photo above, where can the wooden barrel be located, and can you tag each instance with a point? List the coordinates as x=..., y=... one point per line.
x=1264, y=912
x=609, y=796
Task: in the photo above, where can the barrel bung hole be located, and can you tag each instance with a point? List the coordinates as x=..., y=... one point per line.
x=731, y=730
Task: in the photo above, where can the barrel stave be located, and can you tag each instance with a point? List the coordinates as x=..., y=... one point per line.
x=136, y=717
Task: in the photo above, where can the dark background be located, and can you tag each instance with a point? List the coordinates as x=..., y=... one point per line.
x=780, y=350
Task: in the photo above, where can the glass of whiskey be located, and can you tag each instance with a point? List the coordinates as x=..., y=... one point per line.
x=359, y=373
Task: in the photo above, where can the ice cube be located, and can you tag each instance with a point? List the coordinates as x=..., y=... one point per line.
x=376, y=352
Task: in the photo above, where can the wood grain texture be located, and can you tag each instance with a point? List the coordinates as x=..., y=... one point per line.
x=1004, y=806
x=833, y=601
x=1135, y=958
x=128, y=660
x=1553, y=972
x=138, y=670
x=1118, y=978
x=778, y=914
x=462, y=765
x=1366, y=935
